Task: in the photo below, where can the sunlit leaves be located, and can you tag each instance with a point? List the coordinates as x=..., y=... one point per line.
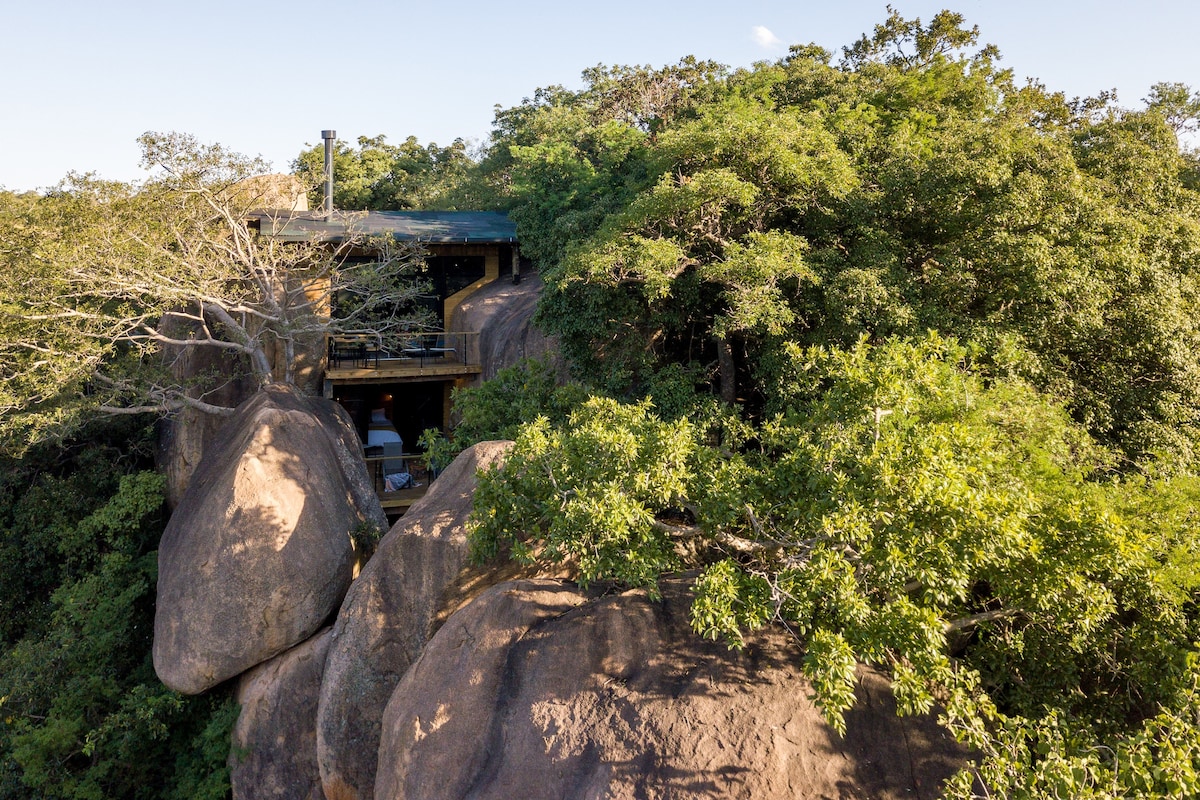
x=900, y=510
x=589, y=493
x=381, y=176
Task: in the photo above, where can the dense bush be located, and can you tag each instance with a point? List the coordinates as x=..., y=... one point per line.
x=82, y=714
x=904, y=511
x=909, y=362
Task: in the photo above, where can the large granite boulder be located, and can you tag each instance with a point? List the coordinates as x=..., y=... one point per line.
x=532, y=692
x=274, y=752
x=185, y=435
x=419, y=570
x=259, y=553
x=502, y=313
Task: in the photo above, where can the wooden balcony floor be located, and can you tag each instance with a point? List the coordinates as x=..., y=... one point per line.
x=394, y=370
x=395, y=503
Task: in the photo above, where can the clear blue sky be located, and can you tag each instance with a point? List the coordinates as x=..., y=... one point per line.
x=83, y=79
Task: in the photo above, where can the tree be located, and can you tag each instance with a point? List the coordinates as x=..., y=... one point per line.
x=953, y=323
x=379, y=176
x=101, y=279
x=911, y=186
x=1178, y=105
x=82, y=714
x=905, y=512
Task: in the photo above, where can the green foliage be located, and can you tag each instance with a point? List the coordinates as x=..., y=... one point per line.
x=438, y=450
x=1053, y=757
x=82, y=714
x=377, y=176
x=900, y=509
x=910, y=186
x=1178, y=105
x=1008, y=526
x=904, y=498
x=499, y=407
x=366, y=536
x=36, y=522
x=200, y=765
x=589, y=493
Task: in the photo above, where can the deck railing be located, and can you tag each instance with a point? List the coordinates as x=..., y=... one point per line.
x=419, y=349
x=396, y=499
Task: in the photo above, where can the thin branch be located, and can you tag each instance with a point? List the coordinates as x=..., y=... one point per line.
x=987, y=616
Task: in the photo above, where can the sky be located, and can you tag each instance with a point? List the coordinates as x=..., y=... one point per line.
x=82, y=80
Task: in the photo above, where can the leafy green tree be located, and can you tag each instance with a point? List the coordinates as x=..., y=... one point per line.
x=516, y=396
x=909, y=186
x=82, y=714
x=1178, y=105
x=378, y=176
x=624, y=467
x=1006, y=526
x=904, y=511
x=562, y=160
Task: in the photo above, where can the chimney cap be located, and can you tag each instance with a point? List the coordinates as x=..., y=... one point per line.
x=328, y=134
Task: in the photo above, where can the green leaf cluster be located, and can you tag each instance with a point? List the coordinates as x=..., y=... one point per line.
x=517, y=395
x=82, y=714
x=377, y=176
x=904, y=508
x=589, y=493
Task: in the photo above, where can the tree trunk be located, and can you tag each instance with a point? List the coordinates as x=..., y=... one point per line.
x=726, y=371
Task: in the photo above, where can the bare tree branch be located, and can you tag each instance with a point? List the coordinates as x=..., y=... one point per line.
x=129, y=276
x=963, y=623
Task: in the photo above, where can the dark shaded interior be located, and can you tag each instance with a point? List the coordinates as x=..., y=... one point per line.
x=412, y=407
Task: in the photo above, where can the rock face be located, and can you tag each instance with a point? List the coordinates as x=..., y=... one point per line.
x=387, y=618
x=532, y=692
x=275, y=738
x=185, y=435
x=258, y=553
x=438, y=681
x=502, y=312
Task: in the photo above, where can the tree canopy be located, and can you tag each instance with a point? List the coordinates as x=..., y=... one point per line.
x=378, y=176
x=686, y=216
x=82, y=714
x=900, y=356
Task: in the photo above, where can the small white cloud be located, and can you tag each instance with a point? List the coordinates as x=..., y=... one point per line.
x=764, y=37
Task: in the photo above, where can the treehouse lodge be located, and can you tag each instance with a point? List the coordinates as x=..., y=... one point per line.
x=393, y=395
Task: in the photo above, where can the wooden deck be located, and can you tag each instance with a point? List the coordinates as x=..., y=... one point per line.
x=429, y=356
x=398, y=370
x=396, y=503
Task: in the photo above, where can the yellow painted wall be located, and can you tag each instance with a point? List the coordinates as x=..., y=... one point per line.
x=491, y=271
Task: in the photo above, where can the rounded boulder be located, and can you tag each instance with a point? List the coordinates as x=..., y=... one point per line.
x=259, y=552
x=538, y=692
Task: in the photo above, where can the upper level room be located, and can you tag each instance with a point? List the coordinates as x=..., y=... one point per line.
x=465, y=250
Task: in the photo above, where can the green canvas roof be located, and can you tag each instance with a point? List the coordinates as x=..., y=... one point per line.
x=468, y=227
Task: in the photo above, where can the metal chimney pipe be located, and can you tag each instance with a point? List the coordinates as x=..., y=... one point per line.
x=330, y=137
